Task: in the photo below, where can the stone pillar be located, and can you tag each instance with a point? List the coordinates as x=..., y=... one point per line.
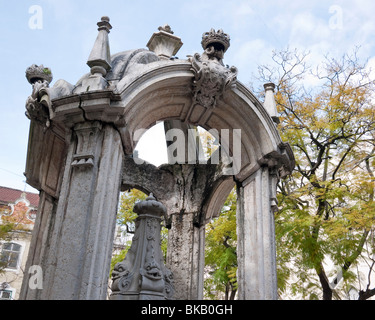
x=40, y=244
x=185, y=256
x=45, y=163
x=164, y=43
x=82, y=235
x=256, y=251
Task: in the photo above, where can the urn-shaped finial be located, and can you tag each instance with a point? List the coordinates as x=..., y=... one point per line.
x=164, y=43
x=35, y=73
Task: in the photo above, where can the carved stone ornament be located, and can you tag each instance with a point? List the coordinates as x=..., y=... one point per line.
x=87, y=134
x=216, y=38
x=142, y=274
x=166, y=28
x=164, y=43
x=36, y=73
x=212, y=78
x=36, y=104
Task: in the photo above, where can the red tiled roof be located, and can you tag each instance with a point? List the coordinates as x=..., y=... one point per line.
x=8, y=195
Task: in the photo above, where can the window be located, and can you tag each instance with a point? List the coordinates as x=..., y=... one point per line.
x=10, y=255
x=5, y=295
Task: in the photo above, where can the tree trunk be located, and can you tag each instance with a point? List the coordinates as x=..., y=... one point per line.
x=327, y=291
x=364, y=295
x=233, y=294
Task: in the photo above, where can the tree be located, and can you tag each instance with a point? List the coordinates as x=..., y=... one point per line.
x=220, y=253
x=125, y=215
x=327, y=207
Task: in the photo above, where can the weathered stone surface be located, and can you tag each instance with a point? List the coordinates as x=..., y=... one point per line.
x=86, y=213
x=79, y=227
x=180, y=187
x=256, y=251
x=186, y=241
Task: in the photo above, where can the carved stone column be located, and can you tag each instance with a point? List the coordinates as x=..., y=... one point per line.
x=40, y=244
x=75, y=158
x=256, y=253
x=82, y=235
x=185, y=256
x=142, y=275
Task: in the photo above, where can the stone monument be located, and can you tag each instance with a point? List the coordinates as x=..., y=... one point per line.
x=80, y=156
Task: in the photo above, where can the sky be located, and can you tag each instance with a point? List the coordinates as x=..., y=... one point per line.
x=60, y=34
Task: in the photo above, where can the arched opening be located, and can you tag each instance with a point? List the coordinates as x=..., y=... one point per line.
x=166, y=96
x=152, y=147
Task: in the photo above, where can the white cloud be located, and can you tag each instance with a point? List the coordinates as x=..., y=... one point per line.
x=370, y=68
x=248, y=55
x=307, y=29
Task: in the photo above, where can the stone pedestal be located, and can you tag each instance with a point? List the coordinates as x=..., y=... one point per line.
x=142, y=275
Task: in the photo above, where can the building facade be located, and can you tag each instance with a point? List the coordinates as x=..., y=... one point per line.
x=18, y=210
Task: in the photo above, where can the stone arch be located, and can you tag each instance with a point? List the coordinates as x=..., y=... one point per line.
x=164, y=93
x=79, y=156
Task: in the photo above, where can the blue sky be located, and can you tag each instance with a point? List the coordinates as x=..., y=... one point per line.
x=64, y=36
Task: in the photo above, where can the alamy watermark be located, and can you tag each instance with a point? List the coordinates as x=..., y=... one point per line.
x=36, y=19
x=36, y=277
x=336, y=21
x=182, y=149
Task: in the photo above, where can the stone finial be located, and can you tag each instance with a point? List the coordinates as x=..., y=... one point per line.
x=215, y=38
x=37, y=103
x=151, y=206
x=142, y=275
x=100, y=58
x=166, y=28
x=104, y=24
x=164, y=43
x=270, y=102
x=35, y=73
